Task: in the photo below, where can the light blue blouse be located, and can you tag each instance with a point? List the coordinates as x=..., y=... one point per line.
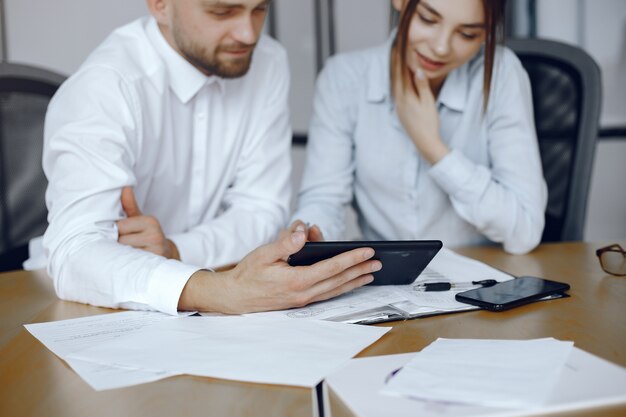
x=489, y=187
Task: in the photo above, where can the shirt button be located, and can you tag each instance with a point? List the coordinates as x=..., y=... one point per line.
x=200, y=116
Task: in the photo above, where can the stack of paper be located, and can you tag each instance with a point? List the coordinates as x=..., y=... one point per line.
x=492, y=373
x=122, y=349
x=586, y=381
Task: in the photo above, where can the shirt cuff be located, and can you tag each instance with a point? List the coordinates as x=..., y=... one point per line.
x=453, y=172
x=166, y=285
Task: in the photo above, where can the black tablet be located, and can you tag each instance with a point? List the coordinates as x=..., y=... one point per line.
x=512, y=293
x=403, y=260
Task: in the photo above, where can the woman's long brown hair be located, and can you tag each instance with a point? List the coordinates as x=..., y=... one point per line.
x=494, y=33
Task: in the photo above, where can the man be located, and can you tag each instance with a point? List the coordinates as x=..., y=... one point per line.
x=182, y=116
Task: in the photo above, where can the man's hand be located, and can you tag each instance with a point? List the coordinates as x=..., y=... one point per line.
x=264, y=281
x=143, y=232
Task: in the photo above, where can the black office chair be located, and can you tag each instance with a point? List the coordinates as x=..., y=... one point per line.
x=567, y=95
x=24, y=95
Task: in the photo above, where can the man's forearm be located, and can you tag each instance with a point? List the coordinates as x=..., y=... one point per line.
x=203, y=292
x=264, y=281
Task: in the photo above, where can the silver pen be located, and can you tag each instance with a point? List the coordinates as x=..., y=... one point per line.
x=447, y=286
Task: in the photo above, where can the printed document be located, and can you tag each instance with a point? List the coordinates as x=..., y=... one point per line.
x=586, y=381
x=285, y=352
x=491, y=373
x=68, y=336
x=121, y=349
x=374, y=304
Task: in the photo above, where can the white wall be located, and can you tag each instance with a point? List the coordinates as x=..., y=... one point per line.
x=58, y=34
x=600, y=28
x=296, y=31
x=605, y=39
x=361, y=23
x=606, y=210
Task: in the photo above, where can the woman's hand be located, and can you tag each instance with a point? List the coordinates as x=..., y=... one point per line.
x=313, y=233
x=417, y=110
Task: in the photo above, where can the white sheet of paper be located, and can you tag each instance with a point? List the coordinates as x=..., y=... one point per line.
x=359, y=383
x=361, y=299
x=287, y=352
x=65, y=337
x=586, y=381
x=493, y=373
x=448, y=266
x=425, y=302
x=104, y=377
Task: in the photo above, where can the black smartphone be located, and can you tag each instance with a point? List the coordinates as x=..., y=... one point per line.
x=403, y=260
x=512, y=293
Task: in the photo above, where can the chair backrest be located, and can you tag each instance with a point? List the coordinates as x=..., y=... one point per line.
x=567, y=94
x=24, y=95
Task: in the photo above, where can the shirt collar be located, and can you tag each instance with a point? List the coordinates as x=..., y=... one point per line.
x=455, y=88
x=184, y=79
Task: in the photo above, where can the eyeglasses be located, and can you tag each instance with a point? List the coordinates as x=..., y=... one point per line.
x=612, y=259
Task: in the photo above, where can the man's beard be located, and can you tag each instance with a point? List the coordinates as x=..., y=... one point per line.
x=212, y=65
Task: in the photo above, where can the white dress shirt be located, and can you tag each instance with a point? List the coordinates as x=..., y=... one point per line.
x=489, y=187
x=208, y=157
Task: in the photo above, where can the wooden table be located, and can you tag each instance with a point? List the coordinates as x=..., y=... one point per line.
x=34, y=382
x=594, y=317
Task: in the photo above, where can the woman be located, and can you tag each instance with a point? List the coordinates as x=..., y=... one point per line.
x=430, y=136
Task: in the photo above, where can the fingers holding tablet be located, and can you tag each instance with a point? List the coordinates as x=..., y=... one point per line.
x=402, y=261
